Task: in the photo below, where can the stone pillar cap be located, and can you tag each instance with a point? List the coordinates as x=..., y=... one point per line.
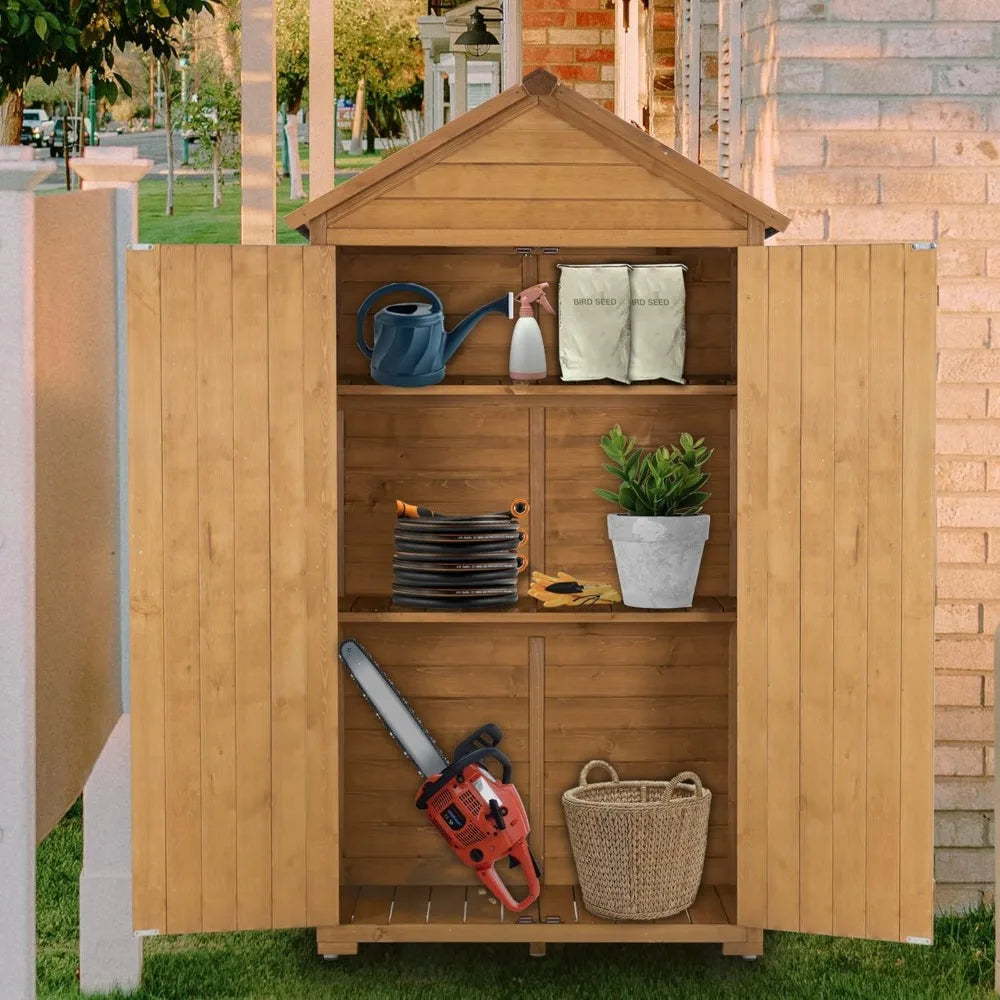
x=19, y=170
x=111, y=164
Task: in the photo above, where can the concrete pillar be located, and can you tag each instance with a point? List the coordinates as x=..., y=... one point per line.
x=460, y=86
x=19, y=175
x=322, y=99
x=510, y=73
x=429, y=116
x=258, y=142
x=110, y=954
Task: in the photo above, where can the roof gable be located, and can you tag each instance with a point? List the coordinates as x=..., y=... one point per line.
x=540, y=147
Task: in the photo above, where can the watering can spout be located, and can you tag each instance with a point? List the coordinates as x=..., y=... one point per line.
x=504, y=305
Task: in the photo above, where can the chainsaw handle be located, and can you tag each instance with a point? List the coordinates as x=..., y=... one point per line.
x=456, y=767
x=496, y=885
x=488, y=735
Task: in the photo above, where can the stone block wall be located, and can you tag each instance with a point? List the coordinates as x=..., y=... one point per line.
x=871, y=122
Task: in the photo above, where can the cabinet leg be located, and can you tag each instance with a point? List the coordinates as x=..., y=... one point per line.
x=751, y=948
x=536, y=949
x=330, y=947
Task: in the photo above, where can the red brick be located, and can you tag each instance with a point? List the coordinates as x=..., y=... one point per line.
x=958, y=690
x=545, y=19
x=993, y=550
x=960, y=477
x=594, y=54
x=961, y=400
x=881, y=223
x=595, y=19
x=991, y=618
x=664, y=19
x=917, y=186
x=989, y=685
x=993, y=406
x=966, y=724
x=951, y=760
x=547, y=55
x=970, y=366
x=963, y=545
x=825, y=187
x=993, y=476
x=956, y=618
x=968, y=512
x=960, y=260
x=574, y=73
x=962, y=331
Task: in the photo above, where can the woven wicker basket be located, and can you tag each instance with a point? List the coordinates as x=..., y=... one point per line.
x=639, y=846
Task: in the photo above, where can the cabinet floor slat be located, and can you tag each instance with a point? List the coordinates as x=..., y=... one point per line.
x=356, y=609
x=457, y=913
x=499, y=389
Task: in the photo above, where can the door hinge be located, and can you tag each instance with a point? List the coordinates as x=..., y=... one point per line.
x=523, y=251
x=147, y=933
x=917, y=940
x=549, y=251
x=927, y=245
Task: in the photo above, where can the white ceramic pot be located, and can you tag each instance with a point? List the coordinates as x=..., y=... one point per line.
x=658, y=558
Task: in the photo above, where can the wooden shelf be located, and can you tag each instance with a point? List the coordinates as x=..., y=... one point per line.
x=469, y=913
x=356, y=609
x=501, y=389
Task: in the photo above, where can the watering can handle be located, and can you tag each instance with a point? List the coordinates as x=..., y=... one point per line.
x=395, y=286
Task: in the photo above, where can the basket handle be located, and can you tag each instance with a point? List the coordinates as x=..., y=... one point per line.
x=682, y=778
x=597, y=763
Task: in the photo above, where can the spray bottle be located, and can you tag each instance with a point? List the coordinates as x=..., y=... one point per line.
x=527, y=350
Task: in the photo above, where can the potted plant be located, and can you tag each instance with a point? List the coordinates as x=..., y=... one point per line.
x=659, y=540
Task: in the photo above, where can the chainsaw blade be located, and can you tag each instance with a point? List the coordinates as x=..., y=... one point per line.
x=394, y=713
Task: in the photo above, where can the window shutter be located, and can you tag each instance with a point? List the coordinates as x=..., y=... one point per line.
x=730, y=70
x=688, y=86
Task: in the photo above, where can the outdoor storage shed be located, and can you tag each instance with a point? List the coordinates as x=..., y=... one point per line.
x=264, y=466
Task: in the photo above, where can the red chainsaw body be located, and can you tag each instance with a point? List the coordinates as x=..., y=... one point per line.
x=484, y=821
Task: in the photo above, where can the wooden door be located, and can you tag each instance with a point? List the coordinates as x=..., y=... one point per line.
x=232, y=507
x=836, y=590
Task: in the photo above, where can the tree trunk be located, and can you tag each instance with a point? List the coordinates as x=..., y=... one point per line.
x=11, y=112
x=152, y=93
x=225, y=38
x=358, y=124
x=216, y=170
x=370, y=146
x=295, y=191
x=169, y=125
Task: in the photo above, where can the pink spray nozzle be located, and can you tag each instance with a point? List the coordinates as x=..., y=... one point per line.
x=529, y=296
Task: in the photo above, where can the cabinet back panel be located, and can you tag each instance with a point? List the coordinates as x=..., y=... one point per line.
x=465, y=280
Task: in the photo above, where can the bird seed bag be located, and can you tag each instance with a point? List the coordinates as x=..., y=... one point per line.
x=656, y=322
x=594, y=322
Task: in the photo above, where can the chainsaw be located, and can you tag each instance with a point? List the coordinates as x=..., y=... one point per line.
x=482, y=818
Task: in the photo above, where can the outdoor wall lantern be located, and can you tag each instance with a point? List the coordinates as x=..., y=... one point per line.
x=476, y=39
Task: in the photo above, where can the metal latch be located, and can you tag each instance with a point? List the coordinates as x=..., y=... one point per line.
x=550, y=250
x=552, y=918
x=525, y=918
x=928, y=245
x=523, y=251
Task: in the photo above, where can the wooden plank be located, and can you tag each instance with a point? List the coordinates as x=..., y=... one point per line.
x=556, y=905
x=560, y=236
x=621, y=713
x=885, y=511
x=538, y=213
x=182, y=668
x=216, y=585
x=727, y=896
x=537, y=146
x=783, y=612
x=707, y=907
x=323, y=765
x=251, y=514
x=289, y=641
x=752, y=591
x=537, y=709
x=816, y=626
x=145, y=511
x=523, y=180
x=447, y=904
x=917, y=567
x=409, y=904
x=850, y=590
x=348, y=900
x=373, y=905
x=517, y=392
x=481, y=907
x=598, y=682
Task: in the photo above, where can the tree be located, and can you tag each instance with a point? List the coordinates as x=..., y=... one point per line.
x=216, y=123
x=40, y=37
x=291, y=27
x=378, y=55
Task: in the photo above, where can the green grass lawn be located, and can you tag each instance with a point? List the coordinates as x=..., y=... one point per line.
x=195, y=221
x=283, y=965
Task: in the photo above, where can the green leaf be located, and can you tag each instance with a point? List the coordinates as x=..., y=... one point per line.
x=607, y=495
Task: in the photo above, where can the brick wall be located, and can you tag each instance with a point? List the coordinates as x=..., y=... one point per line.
x=575, y=40
x=663, y=41
x=877, y=121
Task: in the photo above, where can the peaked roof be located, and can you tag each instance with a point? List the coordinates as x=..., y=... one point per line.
x=539, y=89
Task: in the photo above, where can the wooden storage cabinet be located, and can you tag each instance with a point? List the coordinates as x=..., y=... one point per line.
x=264, y=469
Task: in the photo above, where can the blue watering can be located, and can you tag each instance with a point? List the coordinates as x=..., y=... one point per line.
x=411, y=344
